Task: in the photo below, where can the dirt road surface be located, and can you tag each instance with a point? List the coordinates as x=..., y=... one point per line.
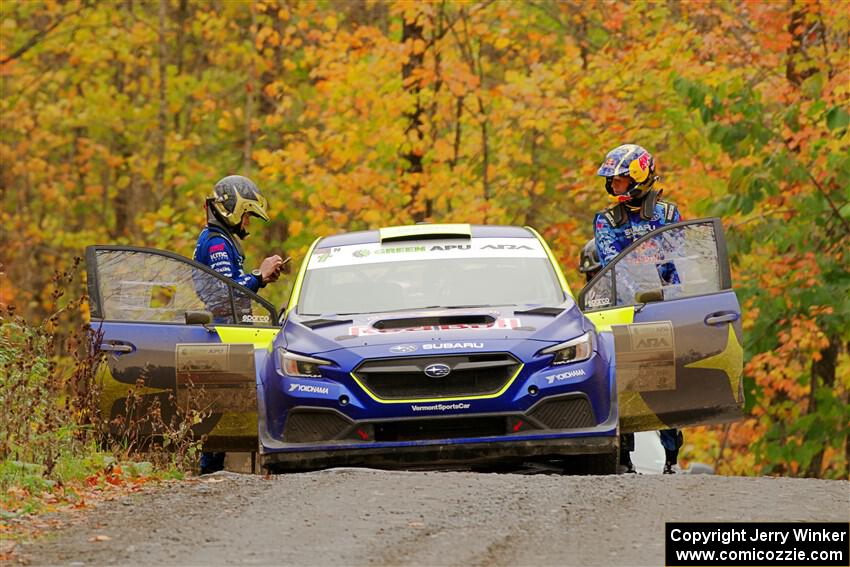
x=368, y=517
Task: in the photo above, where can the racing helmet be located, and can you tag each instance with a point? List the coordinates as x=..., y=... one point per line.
x=589, y=261
x=631, y=160
x=232, y=197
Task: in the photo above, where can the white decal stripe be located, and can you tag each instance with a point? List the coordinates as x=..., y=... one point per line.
x=375, y=253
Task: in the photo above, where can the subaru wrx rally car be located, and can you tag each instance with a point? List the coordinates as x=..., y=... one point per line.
x=431, y=346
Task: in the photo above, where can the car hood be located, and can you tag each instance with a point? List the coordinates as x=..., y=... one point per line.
x=315, y=335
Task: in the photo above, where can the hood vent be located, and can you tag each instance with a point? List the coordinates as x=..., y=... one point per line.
x=433, y=321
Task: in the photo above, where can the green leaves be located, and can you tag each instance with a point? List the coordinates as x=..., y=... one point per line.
x=837, y=118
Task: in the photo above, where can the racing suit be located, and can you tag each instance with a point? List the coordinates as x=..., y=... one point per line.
x=612, y=238
x=218, y=249
x=614, y=231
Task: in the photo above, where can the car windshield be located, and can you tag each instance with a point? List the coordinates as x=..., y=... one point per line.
x=374, y=278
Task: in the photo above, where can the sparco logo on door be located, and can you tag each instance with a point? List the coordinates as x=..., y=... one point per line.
x=255, y=318
x=309, y=389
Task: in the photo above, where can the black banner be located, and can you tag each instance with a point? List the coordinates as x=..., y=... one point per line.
x=762, y=544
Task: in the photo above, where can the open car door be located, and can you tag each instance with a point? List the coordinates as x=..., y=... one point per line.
x=676, y=321
x=176, y=331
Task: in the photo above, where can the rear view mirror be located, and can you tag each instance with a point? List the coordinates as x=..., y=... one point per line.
x=198, y=317
x=649, y=296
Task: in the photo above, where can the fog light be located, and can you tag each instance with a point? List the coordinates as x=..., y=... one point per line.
x=343, y=400
x=532, y=390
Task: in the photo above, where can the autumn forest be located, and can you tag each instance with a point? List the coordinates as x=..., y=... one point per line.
x=119, y=116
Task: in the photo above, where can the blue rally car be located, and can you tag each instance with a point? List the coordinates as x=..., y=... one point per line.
x=430, y=346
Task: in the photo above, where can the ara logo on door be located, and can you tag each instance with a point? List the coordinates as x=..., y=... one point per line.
x=653, y=343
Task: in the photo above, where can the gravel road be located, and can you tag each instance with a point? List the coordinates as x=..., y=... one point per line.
x=368, y=517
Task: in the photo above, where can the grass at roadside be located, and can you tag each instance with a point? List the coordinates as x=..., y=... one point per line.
x=56, y=449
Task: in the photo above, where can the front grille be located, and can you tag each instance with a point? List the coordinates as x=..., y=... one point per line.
x=405, y=378
x=306, y=426
x=564, y=413
x=444, y=428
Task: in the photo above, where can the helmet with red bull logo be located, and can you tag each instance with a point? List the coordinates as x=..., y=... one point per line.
x=633, y=161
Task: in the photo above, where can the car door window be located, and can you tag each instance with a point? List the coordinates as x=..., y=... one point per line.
x=680, y=260
x=145, y=285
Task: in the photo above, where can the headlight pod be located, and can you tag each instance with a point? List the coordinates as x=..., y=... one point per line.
x=574, y=350
x=299, y=365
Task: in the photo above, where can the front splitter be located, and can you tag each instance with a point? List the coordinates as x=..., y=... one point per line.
x=454, y=455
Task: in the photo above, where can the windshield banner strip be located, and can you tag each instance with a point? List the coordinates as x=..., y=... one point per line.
x=375, y=253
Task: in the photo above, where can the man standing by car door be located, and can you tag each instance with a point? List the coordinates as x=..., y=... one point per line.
x=629, y=172
x=234, y=200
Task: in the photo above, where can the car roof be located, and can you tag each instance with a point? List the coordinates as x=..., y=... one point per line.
x=374, y=236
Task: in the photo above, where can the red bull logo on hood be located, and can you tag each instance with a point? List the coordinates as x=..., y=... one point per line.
x=500, y=323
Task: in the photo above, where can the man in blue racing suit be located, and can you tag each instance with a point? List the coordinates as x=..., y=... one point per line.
x=234, y=200
x=629, y=172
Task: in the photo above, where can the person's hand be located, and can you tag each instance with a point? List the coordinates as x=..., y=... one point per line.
x=270, y=268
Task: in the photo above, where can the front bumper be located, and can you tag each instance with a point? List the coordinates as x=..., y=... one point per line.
x=444, y=455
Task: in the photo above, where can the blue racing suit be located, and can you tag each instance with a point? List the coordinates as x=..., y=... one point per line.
x=611, y=239
x=217, y=249
x=614, y=231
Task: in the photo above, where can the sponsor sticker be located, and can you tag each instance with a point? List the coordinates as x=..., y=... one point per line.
x=255, y=318
x=646, y=356
x=441, y=407
x=202, y=358
x=403, y=349
x=359, y=254
x=500, y=323
x=565, y=375
x=309, y=389
x=451, y=346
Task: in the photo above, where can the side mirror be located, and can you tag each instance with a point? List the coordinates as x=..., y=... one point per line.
x=649, y=296
x=198, y=318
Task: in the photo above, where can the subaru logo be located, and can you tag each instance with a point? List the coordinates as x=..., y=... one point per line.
x=402, y=349
x=437, y=370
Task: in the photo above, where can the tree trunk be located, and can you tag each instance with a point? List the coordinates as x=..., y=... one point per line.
x=250, y=88
x=485, y=161
x=412, y=34
x=162, y=134
x=182, y=10
x=795, y=71
x=823, y=376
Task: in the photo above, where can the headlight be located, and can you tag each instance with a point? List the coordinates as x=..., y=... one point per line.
x=575, y=350
x=298, y=365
